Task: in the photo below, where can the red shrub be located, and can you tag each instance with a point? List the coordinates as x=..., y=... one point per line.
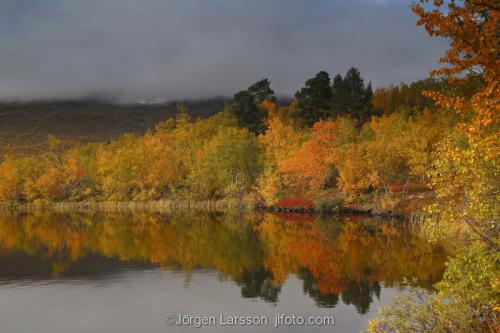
x=295, y=203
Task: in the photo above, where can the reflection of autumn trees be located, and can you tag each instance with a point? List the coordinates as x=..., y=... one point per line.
x=260, y=284
x=345, y=257
x=359, y=294
x=190, y=242
x=338, y=253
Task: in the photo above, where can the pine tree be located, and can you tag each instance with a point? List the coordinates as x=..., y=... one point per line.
x=246, y=105
x=313, y=100
x=351, y=97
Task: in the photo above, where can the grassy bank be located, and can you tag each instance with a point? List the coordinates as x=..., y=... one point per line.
x=161, y=206
x=409, y=205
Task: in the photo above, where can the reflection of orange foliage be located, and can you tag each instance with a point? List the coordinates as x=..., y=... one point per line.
x=159, y=240
x=334, y=252
x=296, y=217
x=354, y=253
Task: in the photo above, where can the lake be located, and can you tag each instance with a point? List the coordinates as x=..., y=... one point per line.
x=203, y=272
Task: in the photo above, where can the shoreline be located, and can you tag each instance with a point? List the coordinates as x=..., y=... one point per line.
x=341, y=210
x=171, y=206
x=153, y=205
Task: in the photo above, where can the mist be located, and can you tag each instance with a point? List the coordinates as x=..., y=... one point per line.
x=132, y=50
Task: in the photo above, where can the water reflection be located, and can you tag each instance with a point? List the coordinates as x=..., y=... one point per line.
x=344, y=259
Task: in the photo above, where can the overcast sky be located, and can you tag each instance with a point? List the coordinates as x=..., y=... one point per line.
x=178, y=49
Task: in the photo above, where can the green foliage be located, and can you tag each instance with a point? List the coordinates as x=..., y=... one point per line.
x=313, y=100
x=227, y=165
x=466, y=302
x=351, y=97
x=474, y=276
x=246, y=105
x=346, y=96
x=329, y=203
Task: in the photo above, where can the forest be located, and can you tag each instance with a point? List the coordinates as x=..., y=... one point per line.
x=430, y=145
x=335, y=142
x=318, y=146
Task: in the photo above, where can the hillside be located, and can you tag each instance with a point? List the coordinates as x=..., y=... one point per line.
x=24, y=126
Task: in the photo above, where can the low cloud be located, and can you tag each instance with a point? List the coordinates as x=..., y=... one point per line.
x=135, y=50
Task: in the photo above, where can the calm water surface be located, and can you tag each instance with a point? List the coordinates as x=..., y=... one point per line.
x=125, y=272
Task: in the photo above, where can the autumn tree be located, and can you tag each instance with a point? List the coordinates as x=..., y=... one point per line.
x=227, y=165
x=48, y=181
x=466, y=170
x=312, y=167
x=280, y=141
x=14, y=172
x=464, y=176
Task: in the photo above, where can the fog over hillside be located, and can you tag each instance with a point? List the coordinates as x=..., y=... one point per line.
x=176, y=49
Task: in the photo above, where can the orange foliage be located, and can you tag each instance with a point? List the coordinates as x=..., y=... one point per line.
x=307, y=167
x=473, y=33
x=312, y=166
x=299, y=218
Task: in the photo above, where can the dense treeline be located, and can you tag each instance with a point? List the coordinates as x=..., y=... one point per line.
x=216, y=158
x=411, y=98
x=327, y=139
x=200, y=157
